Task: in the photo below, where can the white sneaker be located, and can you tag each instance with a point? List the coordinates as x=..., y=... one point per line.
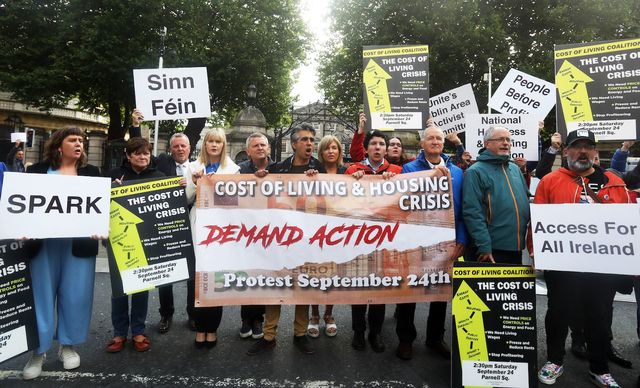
x=33, y=368
x=604, y=381
x=549, y=373
x=70, y=359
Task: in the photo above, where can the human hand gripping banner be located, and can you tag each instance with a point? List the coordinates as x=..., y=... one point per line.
x=326, y=239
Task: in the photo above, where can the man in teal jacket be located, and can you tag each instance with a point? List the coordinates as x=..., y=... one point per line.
x=495, y=202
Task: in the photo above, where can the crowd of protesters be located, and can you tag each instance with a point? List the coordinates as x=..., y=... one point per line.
x=491, y=212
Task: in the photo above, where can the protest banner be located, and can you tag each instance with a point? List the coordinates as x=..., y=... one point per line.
x=18, y=327
x=493, y=326
x=599, y=88
x=292, y=239
x=600, y=238
x=521, y=93
x=170, y=94
x=150, y=242
x=32, y=203
x=396, y=87
x=449, y=109
x=22, y=136
x=523, y=129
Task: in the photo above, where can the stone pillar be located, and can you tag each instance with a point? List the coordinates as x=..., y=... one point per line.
x=95, y=148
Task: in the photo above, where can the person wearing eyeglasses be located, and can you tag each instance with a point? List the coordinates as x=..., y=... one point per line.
x=495, y=202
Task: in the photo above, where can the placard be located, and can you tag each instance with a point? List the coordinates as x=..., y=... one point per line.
x=523, y=130
x=600, y=238
x=53, y=205
x=522, y=94
x=449, y=108
x=170, y=94
x=396, y=87
x=150, y=243
x=493, y=326
x=22, y=136
x=18, y=327
x=293, y=239
x=599, y=88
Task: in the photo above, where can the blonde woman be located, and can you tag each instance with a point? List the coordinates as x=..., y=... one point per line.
x=330, y=155
x=212, y=159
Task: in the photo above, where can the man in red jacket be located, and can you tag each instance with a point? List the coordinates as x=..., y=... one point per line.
x=375, y=143
x=588, y=294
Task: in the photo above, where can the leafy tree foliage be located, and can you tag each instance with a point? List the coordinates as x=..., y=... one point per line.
x=462, y=34
x=55, y=50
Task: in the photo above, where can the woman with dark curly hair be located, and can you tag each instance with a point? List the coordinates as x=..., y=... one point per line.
x=62, y=269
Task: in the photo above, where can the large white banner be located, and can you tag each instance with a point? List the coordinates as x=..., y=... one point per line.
x=449, y=109
x=521, y=93
x=170, y=94
x=523, y=129
x=51, y=205
x=601, y=238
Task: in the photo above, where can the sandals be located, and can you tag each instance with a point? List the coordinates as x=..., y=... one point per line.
x=330, y=327
x=313, y=330
x=141, y=343
x=116, y=344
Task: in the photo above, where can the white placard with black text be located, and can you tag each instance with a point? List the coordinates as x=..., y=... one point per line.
x=170, y=94
x=601, y=238
x=449, y=108
x=523, y=129
x=521, y=93
x=52, y=205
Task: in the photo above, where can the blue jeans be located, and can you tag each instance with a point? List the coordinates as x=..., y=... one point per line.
x=121, y=318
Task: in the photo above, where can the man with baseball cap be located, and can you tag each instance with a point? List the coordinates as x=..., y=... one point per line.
x=587, y=294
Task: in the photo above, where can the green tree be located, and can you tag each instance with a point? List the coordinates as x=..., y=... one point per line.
x=56, y=50
x=462, y=35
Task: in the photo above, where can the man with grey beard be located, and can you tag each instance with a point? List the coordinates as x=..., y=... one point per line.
x=589, y=295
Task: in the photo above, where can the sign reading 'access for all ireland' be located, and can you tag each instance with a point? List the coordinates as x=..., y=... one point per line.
x=396, y=87
x=170, y=94
x=599, y=88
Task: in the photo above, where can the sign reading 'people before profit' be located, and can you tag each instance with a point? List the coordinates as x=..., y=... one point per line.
x=170, y=94
x=521, y=93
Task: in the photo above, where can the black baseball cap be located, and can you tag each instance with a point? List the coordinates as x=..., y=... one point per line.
x=580, y=134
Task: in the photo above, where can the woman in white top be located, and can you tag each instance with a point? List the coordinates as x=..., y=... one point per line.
x=213, y=159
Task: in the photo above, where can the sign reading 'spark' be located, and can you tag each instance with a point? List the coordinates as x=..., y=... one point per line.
x=170, y=94
x=599, y=88
x=396, y=87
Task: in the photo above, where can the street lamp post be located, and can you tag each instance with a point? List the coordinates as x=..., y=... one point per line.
x=163, y=35
x=489, y=62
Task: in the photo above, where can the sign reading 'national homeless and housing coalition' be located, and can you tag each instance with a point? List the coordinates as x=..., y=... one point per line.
x=293, y=239
x=494, y=335
x=396, y=87
x=18, y=329
x=170, y=94
x=523, y=130
x=150, y=238
x=599, y=88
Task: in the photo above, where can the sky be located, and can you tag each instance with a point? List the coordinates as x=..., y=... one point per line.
x=315, y=14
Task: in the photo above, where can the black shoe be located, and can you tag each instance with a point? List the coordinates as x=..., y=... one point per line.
x=303, y=344
x=377, y=345
x=210, y=344
x=440, y=347
x=358, y=342
x=261, y=346
x=199, y=344
x=579, y=350
x=405, y=350
x=164, y=325
x=615, y=357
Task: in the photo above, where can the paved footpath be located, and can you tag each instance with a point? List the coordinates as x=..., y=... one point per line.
x=173, y=361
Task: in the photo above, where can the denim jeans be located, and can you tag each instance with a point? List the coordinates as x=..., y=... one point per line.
x=121, y=318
